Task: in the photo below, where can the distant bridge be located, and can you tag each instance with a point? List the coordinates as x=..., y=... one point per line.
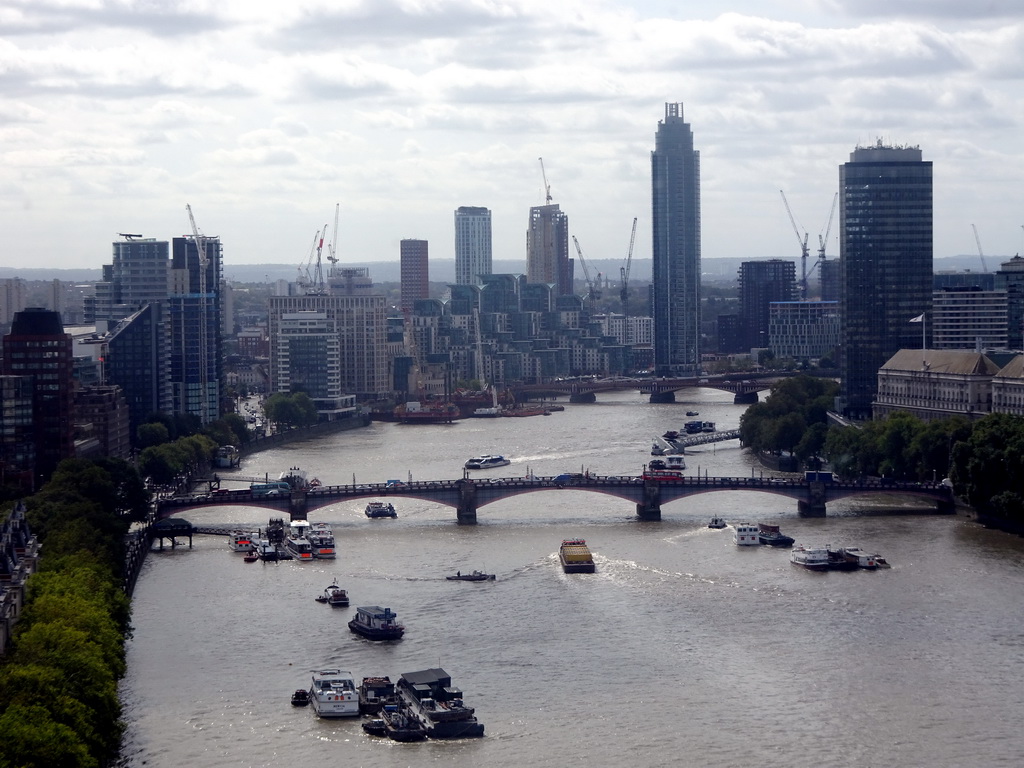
x=466, y=495
x=661, y=390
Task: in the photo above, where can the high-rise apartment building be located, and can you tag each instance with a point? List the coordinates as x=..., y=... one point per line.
x=37, y=346
x=547, y=249
x=885, y=244
x=761, y=283
x=194, y=306
x=675, y=215
x=472, y=244
x=13, y=294
x=415, y=279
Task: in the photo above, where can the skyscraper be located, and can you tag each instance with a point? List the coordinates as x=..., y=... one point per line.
x=414, y=272
x=547, y=248
x=37, y=346
x=761, y=283
x=675, y=214
x=885, y=251
x=472, y=244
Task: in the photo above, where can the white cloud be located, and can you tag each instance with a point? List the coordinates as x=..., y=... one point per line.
x=405, y=109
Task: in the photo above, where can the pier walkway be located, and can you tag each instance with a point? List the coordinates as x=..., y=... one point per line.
x=648, y=494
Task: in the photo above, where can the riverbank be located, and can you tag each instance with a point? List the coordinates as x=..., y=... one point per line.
x=296, y=434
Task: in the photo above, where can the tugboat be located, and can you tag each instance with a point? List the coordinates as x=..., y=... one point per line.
x=437, y=705
x=400, y=724
x=300, y=698
x=376, y=623
x=772, y=536
x=334, y=596
x=374, y=693
x=717, y=522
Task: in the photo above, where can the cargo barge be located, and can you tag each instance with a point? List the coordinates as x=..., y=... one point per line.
x=575, y=556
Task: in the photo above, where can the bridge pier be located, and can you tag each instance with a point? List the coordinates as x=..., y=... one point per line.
x=297, y=505
x=814, y=504
x=744, y=398
x=583, y=397
x=650, y=508
x=466, y=510
x=663, y=397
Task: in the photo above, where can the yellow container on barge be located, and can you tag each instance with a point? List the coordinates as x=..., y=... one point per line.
x=575, y=556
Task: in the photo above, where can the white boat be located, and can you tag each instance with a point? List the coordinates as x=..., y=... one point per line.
x=717, y=522
x=814, y=559
x=746, y=535
x=487, y=462
x=860, y=557
x=675, y=462
x=486, y=413
x=380, y=509
x=333, y=694
x=241, y=541
x=296, y=543
x=321, y=539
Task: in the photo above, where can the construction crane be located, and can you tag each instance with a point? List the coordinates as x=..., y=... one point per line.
x=803, y=247
x=204, y=262
x=547, y=187
x=981, y=255
x=624, y=273
x=823, y=241
x=332, y=248
x=128, y=235
x=593, y=286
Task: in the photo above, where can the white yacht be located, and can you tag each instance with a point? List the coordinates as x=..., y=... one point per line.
x=321, y=540
x=487, y=462
x=333, y=694
x=296, y=543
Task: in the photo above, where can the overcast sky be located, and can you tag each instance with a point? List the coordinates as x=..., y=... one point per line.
x=265, y=114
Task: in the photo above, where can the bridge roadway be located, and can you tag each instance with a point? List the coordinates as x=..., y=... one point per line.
x=467, y=495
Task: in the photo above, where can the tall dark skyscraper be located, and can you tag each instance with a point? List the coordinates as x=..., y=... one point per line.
x=415, y=275
x=675, y=214
x=547, y=248
x=885, y=250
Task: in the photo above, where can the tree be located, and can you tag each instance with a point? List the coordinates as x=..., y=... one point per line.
x=152, y=433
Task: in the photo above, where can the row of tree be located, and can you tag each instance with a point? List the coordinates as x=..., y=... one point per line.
x=983, y=459
x=58, y=685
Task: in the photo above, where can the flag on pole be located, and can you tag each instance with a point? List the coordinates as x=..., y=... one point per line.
x=918, y=319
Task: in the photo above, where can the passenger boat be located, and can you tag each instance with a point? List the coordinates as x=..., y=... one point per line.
x=813, y=559
x=489, y=412
x=693, y=427
x=717, y=522
x=400, y=724
x=380, y=509
x=376, y=623
x=321, y=540
x=487, y=462
x=296, y=478
x=241, y=541
x=438, y=705
x=675, y=462
x=707, y=426
x=295, y=542
x=300, y=698
x=575, y=556
x=374, y=693
x=333, y=694
x=772, y=536
x=746, y=535
x=474, y=576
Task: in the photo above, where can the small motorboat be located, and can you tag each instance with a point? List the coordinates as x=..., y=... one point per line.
x=300, y=698
x=474, y=576
x=717, y=522
x=693, y=413
x=250, y=557
x=334, y=595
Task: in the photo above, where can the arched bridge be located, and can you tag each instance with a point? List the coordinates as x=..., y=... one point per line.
x=648, y=493
x=661, y=390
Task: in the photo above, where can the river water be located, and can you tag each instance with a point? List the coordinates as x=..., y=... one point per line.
x=682, y=649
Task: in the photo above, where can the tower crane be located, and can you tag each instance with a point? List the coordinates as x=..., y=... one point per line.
x=204, y=262
x=803, y=247
x=624, y=272
x=984, y=267
x=593, y=287
x=332, y=247
x=547, y=187
x=823, y=241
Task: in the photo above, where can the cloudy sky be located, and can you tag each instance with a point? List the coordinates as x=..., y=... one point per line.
x=265, y=114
